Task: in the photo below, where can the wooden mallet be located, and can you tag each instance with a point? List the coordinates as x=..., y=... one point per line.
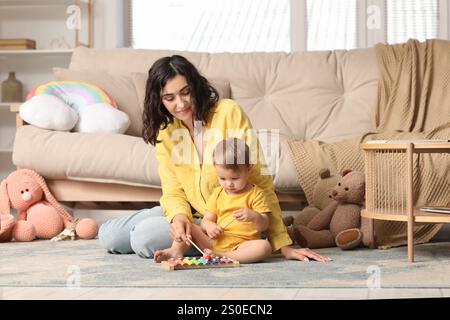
x=226, y=225
x=196, y=247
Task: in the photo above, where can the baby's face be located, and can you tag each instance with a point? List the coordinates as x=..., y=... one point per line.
x=233, y=181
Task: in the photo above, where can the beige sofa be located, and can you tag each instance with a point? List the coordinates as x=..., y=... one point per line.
x=324, y=95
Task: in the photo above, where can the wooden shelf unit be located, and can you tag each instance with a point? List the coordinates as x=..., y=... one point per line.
x=406, y=212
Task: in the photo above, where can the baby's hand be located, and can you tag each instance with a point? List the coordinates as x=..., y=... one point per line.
x=245, y=215
x=213, y=230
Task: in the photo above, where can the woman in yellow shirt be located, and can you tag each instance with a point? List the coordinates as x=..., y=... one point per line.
x=184, y=118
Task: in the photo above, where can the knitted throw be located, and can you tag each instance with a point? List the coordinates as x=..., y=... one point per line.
x=413, y=103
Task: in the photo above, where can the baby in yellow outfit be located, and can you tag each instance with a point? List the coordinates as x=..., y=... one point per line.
x=237, y=212
x=226, y=210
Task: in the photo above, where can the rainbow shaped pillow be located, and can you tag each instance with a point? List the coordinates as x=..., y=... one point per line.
x=67, y=105
x=78, y=95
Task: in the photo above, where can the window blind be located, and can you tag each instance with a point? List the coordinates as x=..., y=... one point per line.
x=331, y=24
x=418, y=19
x=211, y=25
x=128, y=23
x=265, y=25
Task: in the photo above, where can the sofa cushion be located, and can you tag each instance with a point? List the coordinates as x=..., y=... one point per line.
x=285, y=179
x=118, y=85
x=95, y=157
x=140, y=82
x=324, y=95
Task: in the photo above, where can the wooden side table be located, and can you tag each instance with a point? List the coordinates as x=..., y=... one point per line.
x=389, y=183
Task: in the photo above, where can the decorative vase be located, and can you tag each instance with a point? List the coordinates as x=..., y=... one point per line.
x=12, y=89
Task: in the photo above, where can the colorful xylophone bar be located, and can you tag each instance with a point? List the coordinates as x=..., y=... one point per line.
x=198, y=263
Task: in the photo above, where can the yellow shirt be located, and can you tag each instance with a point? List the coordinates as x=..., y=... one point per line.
x=187, y=184
x=223, y=205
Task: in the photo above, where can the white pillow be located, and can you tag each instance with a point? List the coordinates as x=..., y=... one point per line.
x=102, y=117
x=48, y=112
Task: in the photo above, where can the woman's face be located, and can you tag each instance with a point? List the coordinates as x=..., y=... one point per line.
x=176, y=97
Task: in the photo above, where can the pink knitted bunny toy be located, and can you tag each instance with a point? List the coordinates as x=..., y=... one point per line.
x=6, y=226
x=40, y=214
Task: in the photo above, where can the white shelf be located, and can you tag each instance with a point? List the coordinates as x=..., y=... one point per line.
x=36, y=52
x=5, y=106
x=45, y=22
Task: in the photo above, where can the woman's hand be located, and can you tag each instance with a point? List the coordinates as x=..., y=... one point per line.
x=180, y=228
x=303, y=254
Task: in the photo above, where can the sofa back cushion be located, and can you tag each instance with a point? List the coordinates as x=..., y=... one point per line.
x=118, y=85
x=325, y=95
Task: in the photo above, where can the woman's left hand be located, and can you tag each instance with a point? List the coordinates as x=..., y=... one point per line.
x=303, y=254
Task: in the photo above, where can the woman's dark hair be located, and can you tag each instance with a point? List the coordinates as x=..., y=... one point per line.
x=155, y=116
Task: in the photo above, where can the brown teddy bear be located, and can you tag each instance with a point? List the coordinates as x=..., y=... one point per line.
x=339, y=223
x=321, y=197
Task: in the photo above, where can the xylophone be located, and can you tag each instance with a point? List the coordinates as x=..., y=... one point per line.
x=198, y=263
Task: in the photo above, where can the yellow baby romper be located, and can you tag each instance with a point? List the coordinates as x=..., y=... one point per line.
x=223, y=205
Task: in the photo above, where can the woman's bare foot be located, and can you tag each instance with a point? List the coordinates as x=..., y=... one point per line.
x=166, y=254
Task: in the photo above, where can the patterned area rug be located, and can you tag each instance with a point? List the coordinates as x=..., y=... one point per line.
x=84, y=263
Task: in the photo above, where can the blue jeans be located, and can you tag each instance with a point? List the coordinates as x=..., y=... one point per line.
x=142, y=233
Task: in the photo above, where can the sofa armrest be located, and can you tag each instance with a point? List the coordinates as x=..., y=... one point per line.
x=15, y=109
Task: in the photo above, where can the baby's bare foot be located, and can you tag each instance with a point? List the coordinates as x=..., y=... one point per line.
x=166, y=254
